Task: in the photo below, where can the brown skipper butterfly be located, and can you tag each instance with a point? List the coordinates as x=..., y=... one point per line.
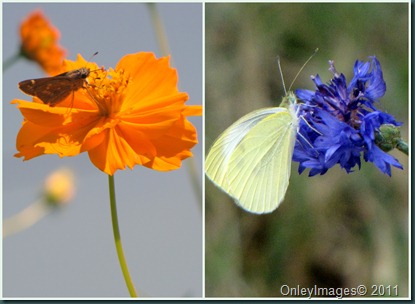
x=52, y=90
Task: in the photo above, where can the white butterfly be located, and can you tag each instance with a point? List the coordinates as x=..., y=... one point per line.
x=251, y=160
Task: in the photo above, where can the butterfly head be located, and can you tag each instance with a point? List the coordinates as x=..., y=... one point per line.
x=289, y=100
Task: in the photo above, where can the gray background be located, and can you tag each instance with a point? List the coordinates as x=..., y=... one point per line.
x=71, y=253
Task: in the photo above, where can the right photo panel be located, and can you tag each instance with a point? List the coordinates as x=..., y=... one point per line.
x=306, y=160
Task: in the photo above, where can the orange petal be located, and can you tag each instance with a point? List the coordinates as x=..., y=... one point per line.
x=117, y=147
x=150, y=78
x=49, y=130
x=33, y=140
x=174, y=146
x=193, y=111
x=114, y=152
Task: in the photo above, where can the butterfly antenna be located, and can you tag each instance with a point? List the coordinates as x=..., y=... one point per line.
x=96, y=53
x=90, y=58
x=89, y=61
x=312, y=55
x=282, y=76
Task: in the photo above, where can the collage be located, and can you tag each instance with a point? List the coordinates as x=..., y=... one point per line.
x=206, y=150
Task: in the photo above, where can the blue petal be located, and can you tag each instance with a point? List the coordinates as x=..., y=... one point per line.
x=341, y=121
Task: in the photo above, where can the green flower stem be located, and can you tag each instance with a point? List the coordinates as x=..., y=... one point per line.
x=12, y=60
x=159, y=28
x=26, y=218
x=193, y=172
x=402, y=146
x=117, y=238
x=164, y=49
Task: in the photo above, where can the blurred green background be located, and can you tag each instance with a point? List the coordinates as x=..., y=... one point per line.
x=335, y=230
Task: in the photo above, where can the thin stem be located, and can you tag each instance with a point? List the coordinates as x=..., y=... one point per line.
x=117, y=238
x=402, y=146
x=12, y=60
x=26, y=218
x=193, y=172
x=164, y=49
x=159, y=28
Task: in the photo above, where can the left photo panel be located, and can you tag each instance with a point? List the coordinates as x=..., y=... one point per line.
x=102, y=150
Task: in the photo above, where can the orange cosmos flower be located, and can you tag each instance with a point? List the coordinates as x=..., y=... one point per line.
x=40, y=43
x=133, y=114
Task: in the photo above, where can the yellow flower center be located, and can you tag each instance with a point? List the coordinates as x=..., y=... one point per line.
x=107, y=88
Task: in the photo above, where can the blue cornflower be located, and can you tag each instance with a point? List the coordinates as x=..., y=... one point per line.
x=339, y=122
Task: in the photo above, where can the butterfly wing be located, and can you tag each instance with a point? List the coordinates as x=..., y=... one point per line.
x=251, y=160
x=218, y=157
x=260, y=167
x=52, y=90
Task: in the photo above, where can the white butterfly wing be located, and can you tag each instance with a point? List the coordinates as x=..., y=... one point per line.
x=251, y=160
x=218, y=157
